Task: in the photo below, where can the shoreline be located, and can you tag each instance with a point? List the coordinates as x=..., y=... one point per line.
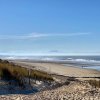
x=60, y=69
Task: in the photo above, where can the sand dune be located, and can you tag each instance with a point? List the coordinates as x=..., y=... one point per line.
x=73, y=91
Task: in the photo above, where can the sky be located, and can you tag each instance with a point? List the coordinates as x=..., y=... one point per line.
x=50, y=27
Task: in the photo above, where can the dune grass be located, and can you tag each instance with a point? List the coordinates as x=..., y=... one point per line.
x=11, y=71
x=94, y=83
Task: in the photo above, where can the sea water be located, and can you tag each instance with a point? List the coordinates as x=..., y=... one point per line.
x=93, y=67
x=92, y=62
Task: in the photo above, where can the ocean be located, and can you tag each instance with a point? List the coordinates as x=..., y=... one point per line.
x=92, y=62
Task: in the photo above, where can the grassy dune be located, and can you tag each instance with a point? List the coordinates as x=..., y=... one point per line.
x=11, y=71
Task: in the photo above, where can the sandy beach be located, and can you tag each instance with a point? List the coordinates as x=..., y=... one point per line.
x=54, y=68
x=67, y=83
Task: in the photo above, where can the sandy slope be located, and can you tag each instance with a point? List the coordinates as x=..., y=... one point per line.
x=73, y=91
x=66, y=70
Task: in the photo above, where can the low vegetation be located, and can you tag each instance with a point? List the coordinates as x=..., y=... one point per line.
x=10, y=71
x=94, y=83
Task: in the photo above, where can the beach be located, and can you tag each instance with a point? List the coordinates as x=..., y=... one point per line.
x=73, y=91
x=59, y=69
x=70, y=82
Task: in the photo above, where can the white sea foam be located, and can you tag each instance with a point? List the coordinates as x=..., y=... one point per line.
x=85, y=60
x=82, y=60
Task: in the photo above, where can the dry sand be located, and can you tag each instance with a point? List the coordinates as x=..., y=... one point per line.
x=66, y=70
x=73, y=91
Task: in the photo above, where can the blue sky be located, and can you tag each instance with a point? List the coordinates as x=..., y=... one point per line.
x=54, y=27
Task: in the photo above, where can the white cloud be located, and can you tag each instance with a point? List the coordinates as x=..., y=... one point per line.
x=41, y=35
